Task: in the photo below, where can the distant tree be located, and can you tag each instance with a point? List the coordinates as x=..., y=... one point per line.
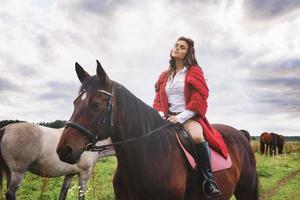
x=55, y=124
x=6, y=122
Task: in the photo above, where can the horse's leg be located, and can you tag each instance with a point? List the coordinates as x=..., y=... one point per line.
x=119, y=185
x=247, y=191
x=65, y=186
x=15, y=180
x=83, y=178
x=280, y=149
x=271, y=150
x=8, y=178
x=262, y=148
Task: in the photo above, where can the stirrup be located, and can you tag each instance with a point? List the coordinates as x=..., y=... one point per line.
x=208, y=196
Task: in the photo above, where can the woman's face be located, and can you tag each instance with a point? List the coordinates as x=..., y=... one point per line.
x=180, y=49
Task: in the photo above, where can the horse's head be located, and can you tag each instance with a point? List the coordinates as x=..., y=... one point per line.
x=91, y=118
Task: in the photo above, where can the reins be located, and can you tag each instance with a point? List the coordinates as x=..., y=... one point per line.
x=91, y=147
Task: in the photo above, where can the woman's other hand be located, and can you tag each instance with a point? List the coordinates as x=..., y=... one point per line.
x=173, y=119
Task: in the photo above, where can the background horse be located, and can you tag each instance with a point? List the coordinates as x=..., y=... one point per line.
x=265, y=143
x=280, y=143
x=149, y=167
x=26, y=146
x=271, y=141
x=277, y=142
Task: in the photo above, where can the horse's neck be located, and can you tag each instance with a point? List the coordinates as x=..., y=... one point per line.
x=137, y=126
x=141, y=148
x=134, y=119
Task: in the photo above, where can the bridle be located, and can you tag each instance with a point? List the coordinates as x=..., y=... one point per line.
x=108, y=114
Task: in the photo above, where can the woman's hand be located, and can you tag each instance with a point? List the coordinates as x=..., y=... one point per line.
x=173, y=119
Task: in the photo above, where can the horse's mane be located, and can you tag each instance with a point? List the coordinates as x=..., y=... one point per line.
x=141, y=119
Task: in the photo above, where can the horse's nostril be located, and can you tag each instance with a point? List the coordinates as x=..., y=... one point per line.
x=64, y=151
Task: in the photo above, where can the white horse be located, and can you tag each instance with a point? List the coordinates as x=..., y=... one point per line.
x=26, y=146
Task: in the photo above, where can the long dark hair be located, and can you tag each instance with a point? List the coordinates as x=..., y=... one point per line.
x=190, y=58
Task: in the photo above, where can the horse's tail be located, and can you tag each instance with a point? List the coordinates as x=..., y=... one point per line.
x=1, y=165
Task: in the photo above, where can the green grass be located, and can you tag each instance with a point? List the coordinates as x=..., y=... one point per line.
x=270, y=171
x=99, y=186
x=289, y=191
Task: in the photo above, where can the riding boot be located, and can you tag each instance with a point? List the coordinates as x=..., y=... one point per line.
x=209, y=186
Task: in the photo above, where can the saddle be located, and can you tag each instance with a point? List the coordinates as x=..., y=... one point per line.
x=218, y=162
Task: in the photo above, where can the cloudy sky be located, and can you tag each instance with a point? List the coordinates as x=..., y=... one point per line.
x=249, y=51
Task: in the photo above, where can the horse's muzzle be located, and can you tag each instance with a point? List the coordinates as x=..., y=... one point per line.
x=66, y=154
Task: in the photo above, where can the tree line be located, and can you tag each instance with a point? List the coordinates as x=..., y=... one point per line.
x=54, y=124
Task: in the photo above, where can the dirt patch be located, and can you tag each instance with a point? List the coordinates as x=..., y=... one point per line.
x=272, y=191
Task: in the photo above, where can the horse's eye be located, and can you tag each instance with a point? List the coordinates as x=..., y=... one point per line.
x=96, y=105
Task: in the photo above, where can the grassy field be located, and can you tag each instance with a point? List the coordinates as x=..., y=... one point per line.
x=279, y=179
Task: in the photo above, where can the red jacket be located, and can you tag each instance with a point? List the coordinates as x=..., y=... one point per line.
x=196, y=94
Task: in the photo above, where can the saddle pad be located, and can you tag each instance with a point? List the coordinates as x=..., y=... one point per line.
x=218, y=162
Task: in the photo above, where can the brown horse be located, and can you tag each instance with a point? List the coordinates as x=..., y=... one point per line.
x=280, y=143
x=151, y=165
x=265, y=143
x=271, y=141
x=277, y=142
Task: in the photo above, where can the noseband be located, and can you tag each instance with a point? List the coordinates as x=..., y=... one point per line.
x=93, y=137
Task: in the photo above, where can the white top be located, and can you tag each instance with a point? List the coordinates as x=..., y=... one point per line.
x=175, y=93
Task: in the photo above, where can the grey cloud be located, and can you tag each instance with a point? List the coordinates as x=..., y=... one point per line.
x=275, y=86
x=93, y=6
x=6, y=85
x=50, y=96
x=267, y=9
x=222, y=52
x=277, y=94
x=58, y=91
x=98, y=7
x=25, y=70
x=284, y=64
x=42, y=41
x=60, y=86
x=290, y=82
x=281, y=69
x=294, y=63
x=46, y=42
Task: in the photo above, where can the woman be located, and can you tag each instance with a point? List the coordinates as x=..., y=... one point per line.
x=181, y=97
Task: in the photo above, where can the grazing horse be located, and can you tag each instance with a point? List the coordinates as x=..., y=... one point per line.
x=151, y=164
x=277, y=142
x=265, y=143
x=271, y=141
x=280, y=143
x=26, y=146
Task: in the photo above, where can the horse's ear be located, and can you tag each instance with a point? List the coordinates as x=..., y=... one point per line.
x=81, y=74
x=101, y=74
